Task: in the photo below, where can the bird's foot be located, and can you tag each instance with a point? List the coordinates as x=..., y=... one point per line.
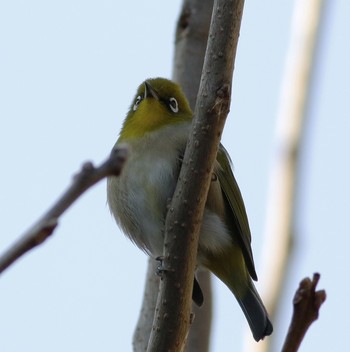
x=160, y=268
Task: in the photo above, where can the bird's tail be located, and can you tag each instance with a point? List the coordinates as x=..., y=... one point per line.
x=241, y=285
x=255, y=312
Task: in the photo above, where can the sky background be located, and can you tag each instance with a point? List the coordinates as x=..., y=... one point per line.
x=68, y=72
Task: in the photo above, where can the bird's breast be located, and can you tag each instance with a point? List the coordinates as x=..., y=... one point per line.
x=138, y=198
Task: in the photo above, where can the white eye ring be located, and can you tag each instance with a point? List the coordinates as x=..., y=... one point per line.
x=137, y=102
x=173, y=104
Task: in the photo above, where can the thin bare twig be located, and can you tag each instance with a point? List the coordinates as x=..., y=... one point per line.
x=307, y=302
x=44, y=227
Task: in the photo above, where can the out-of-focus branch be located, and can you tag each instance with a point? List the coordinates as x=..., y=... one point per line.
x=43, y=228
x=199, y=336
x=172, y=317
x=145, y=321
x=306, y=303
x=190, y=43
x=291, y=119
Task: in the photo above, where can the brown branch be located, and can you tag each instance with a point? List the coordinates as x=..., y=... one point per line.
x=307, y=302
x=190, y=45
x=44, y=227
x=172, y=317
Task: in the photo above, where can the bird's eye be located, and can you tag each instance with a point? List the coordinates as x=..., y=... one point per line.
x=137, y=102
x=174, y=106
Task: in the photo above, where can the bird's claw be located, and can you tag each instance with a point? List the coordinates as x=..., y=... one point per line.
x=160, y=268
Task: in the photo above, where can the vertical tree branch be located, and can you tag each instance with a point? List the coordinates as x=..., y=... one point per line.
x=291, y=118
x=145, y=321
x=190, y=43
x=172, y=317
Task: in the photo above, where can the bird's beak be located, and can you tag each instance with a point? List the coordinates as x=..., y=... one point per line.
x=150, y=92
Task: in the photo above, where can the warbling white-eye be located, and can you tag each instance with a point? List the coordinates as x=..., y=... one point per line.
x=156, y=128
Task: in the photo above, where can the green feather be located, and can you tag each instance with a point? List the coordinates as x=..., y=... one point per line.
x=237, y=214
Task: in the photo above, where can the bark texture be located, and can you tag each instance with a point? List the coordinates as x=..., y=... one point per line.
x=173, y=312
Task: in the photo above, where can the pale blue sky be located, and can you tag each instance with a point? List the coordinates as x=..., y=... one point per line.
x=68, y=72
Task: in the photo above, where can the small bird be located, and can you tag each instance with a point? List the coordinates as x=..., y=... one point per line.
x=156, y=129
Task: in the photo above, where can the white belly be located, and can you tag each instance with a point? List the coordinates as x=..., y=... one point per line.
x=140, y=196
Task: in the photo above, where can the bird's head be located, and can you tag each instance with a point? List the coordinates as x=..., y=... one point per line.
x=158, y=103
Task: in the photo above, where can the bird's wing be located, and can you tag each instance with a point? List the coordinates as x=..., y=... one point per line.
x=237, y=212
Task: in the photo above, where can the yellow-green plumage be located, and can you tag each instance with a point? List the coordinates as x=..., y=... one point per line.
x=151, y=114
x=156, y=129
